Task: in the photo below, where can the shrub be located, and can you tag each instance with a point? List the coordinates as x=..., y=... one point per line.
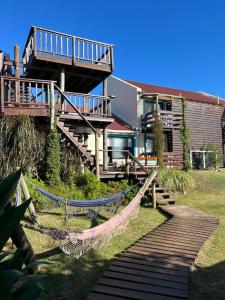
x=213, y=156
x=175, y=180
x=52, y=158
x=157, y=129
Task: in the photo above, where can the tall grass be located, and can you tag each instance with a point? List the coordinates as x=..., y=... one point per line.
x=175, y=180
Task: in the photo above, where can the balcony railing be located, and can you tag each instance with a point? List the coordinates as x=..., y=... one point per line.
x=88, y=105
x=24, y=92
x=35, y=93
x=169, y=119
x=59, y=45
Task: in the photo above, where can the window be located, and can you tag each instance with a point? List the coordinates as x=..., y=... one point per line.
x=149, y=145
x=119, y=143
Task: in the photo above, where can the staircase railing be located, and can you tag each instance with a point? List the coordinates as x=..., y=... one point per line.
x=52, y=43
x=75, y=109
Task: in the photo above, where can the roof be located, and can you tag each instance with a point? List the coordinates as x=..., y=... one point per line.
x=188, y=95
x=119, y=125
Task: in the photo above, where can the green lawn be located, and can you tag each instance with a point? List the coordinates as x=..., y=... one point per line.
x=207, y=279
x=68, y=278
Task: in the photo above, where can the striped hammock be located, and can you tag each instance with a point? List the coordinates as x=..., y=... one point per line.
x=80, y=242
x=89, y=207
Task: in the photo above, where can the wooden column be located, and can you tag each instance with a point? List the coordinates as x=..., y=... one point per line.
x=52, y=99
x=26, y=193
x=17, y=72
x=97, y=155
x=62, y=87
x=154, y=194
x=105, y=150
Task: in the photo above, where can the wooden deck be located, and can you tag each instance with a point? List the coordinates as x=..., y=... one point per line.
x=157, y=265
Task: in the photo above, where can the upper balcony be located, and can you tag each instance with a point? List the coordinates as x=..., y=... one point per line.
x=86, y=62
x=169, y=120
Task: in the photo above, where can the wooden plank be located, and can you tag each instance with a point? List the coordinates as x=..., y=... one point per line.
x=149, y=268
x=129, y=294
x=143, y=279
x=142, y=287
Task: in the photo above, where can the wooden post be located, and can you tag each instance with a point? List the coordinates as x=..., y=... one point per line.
x=127, y=166
x=17, y=72
x=97, y=155
x=2, y=95
x=204, y=164
x=154, y=194
x=62, y=87
x=26, y=193
x=105, y=150
x=52, y=99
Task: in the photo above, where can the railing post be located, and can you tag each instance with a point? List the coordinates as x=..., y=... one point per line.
x=127, y=166
x=74, y=50
x=52, y=109
x=17, y=72
x=105, y=150
x=35, y=40
x=2, y=95
x=97, y=155
x=154, y=194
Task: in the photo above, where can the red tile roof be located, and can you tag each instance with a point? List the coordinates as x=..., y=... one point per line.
x=119, y=124
x=188, y=95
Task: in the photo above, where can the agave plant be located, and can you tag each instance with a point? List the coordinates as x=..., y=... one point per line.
x=15, y=281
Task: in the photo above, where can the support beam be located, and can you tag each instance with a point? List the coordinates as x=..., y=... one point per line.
x=17, y=71
x=97, y=155
x=62, y=87
x=105, y=148
x=52, y=99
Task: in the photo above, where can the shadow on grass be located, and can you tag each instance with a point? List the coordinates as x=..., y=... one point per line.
x=208, y=283
x=69, y=278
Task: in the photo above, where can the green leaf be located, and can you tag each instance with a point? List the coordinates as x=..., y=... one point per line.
x=11, y=276
x=4, y=288
x=16, y=262
x=8, y=187
x=29, y=291
x=10, y=220
x=3, y=255
x=34, y=264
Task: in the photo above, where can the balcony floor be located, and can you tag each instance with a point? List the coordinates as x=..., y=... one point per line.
x=81, y=77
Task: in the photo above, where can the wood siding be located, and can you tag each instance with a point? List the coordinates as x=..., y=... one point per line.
x=177, y=142
x=204, y=124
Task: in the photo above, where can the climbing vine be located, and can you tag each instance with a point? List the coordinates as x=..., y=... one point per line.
x=52, y=158
x=185, y=140
x=21, y=145
x=159, y=139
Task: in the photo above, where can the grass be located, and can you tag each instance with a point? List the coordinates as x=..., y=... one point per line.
x=68, y=278
x=207, y=278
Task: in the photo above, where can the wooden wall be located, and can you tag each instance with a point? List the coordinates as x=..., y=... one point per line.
x=204, y=124
x=177, y=142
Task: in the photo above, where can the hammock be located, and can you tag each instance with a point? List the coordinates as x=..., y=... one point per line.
x=81, y=242
x=90, y=207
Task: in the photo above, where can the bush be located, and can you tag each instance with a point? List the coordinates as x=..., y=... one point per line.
x=52, y=158
x=175, y=180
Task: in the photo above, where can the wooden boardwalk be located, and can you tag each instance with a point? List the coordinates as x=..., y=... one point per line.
x=157, y=265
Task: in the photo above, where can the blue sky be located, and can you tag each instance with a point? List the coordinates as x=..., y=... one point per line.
x=175, y=43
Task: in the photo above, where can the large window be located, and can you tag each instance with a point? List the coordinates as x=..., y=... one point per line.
x=116, y=144
x=150, y=105
x=149, y=145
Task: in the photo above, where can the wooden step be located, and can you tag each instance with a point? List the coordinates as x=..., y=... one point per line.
x=165, y=201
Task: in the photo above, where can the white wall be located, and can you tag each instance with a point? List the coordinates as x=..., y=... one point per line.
x=91, y=145
x=125, y=103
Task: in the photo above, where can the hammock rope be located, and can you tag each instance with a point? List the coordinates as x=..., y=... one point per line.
x=81, y=242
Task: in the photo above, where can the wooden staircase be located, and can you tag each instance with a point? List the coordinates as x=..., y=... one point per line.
x=162, y=196
x=73, y=137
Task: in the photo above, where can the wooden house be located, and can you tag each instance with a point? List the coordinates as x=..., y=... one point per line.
x=52, y=80
x=137, y=102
